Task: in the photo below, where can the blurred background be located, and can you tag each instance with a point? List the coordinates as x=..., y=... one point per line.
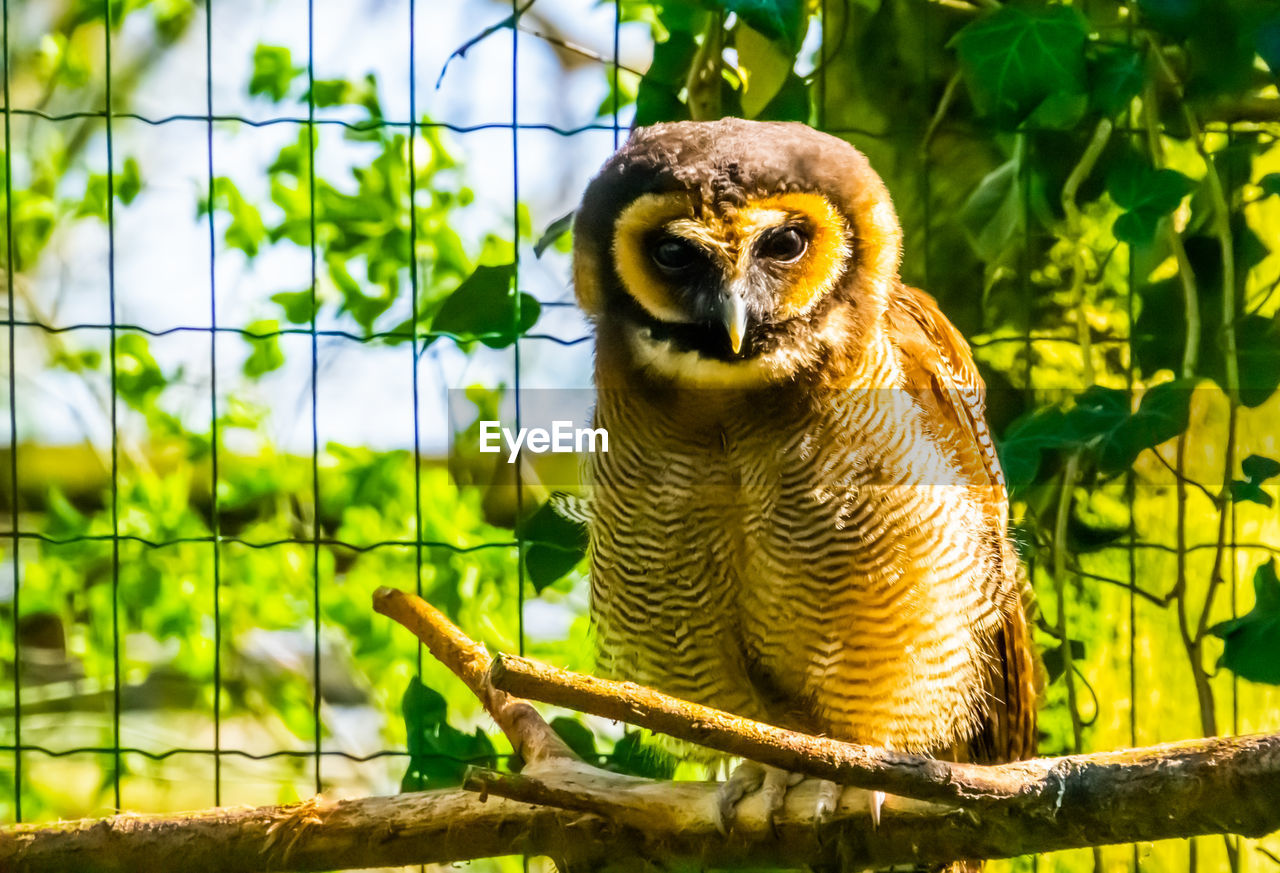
x=268, y=262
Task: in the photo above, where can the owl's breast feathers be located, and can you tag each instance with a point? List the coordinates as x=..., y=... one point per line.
x=832, y=559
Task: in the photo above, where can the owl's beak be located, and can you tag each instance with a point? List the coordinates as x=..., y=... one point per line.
x=734, y=314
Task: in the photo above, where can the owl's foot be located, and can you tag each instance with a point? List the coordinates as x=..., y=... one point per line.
x=829, y=798
x=747, y=778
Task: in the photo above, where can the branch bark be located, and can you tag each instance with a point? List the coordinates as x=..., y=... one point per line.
x=562, y=807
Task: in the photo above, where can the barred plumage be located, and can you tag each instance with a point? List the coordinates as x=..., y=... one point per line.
x=801, y=518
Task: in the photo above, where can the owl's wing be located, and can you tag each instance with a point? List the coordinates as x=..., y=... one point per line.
x=939, y=369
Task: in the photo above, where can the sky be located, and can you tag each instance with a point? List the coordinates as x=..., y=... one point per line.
x=162, y=262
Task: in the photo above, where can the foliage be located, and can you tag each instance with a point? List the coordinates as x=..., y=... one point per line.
x=1069, y=188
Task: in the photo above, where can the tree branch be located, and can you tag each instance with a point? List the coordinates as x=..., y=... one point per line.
x=564, y=808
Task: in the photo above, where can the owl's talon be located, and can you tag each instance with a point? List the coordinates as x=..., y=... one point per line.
x=877, y=801
x=828, y=800
x=746, y=778
x=774, y=792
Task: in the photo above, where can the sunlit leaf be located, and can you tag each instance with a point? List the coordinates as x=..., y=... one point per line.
x=1015, y=58
x=556, y=545
x=439, y=753
x=554, y=232
x=766, y=65
x=299, y=306
x=484, y=308
x=273, y=72
x=264, y=350
x=781, y=20
x=1251, y=643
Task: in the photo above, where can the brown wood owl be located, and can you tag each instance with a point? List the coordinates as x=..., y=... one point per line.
x=801, y=518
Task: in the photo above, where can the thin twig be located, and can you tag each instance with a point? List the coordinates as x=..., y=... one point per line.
x=532, y=737
x=461, y=51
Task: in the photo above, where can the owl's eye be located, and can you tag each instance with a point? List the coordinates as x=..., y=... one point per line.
x=675, y=255
x=785, y=245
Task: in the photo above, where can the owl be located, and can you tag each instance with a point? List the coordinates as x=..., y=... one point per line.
x=801, y=518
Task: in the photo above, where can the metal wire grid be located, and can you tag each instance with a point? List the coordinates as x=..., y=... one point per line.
x=417, y=342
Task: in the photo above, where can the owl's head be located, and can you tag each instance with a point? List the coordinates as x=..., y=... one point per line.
x=733, y=253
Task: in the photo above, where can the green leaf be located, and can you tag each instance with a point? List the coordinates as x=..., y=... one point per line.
x=1258, y=352
x=1116, y=75
x=264, y=351
x=246, y=231
x=328, y=92
x=557, y=229
x=658, y=95
x=1267, y=43
x=1147, y=193
x=556, y=545
x=994, y=215
x=781, y=20
x=128, y=181
x=1251, y=643
x=299, y=306
x=483, y=308
x=633, y=756
x=1257, y=470
x=1014, y=59
x=1270, y=184
x=791, y=103
x=439, y=753
x=1163, y=413
x=1055, y=662
x=273, y=72
x=577, y=737
x=766, y=65
x=138, y=376
x=1026, y=440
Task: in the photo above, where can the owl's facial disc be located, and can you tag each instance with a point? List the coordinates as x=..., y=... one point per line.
x=723, y=285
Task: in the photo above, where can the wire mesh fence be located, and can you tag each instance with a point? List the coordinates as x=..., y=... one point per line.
x=1112, y=564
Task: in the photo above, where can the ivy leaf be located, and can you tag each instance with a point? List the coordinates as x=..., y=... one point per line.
x=1147, y=194
x=1055, y=662
x=128, y=181
x=273, y=72
x=781, y=20
x=1116, y=75
x=1021, y=450
x=246, y=231
x=554, y=232
x=556, y=545
x=1257, y=470
x=658, y=96
x=483, y=308
x=1015, y=59
x=299, y=306
x=633, y=756
x=766, y=66
x=1252, y=641
x=993, y=216
x=138, y=375
x=577, y=737
x=439, y=753
x=1258, y=351
x=1163, y=413
x=264, y=351
x=127, y=184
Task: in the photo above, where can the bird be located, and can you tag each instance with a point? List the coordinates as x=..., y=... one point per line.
x=801, y=518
